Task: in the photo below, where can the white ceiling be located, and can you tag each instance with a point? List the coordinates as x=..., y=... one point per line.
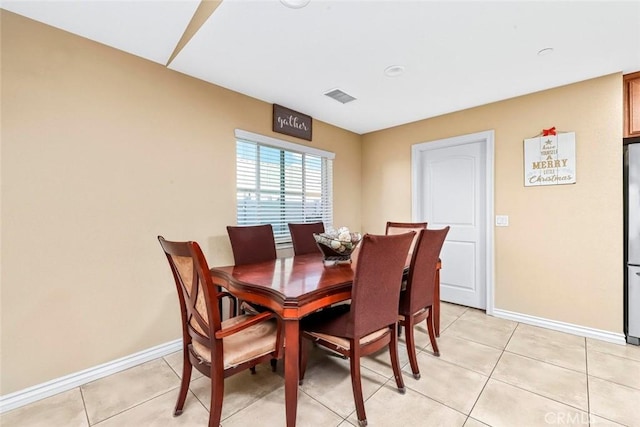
x=456, y=54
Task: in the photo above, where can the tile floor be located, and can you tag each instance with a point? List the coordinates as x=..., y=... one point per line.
x=491, y=372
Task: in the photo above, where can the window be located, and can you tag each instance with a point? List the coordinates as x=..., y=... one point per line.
x=279, y=182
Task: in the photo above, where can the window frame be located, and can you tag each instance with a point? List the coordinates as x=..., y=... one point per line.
x=283, y=239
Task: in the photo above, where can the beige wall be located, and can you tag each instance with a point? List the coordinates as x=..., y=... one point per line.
x=101, y=152
x=561, y=256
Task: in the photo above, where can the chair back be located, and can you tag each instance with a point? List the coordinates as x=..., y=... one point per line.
x=404, y=227
x=302, y=237
x=198, y=303
x=419, y=292
x=377, y=281
x=252, y=244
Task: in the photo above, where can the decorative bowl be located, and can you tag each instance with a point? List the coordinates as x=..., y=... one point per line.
x=337, y=246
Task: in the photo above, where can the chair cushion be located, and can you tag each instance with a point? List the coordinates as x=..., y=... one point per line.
x=255, y=341
x=344, y=343
x=401, y=316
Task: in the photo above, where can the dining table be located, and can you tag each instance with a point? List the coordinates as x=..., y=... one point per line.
x=292, y=287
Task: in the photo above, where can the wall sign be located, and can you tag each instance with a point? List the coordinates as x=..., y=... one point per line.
x=550, y=158
x=291, y=122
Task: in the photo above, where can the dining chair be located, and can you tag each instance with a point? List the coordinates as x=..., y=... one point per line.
x=218, y=349
x=369, y=323
x=302, y=237
x=403, y=227
x=252, y=243
x=418, y=298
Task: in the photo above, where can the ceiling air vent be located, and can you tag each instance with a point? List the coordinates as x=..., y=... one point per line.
x=340, y=96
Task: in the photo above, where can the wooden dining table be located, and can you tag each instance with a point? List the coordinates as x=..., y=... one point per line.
x=292, y=287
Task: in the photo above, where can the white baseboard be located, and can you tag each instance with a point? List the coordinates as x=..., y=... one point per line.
x=583, y=331
x=68, y=382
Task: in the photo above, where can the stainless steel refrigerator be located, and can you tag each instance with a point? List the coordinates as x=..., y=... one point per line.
x=632, y=240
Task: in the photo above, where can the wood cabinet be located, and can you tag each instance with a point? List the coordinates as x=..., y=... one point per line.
x=631, y=105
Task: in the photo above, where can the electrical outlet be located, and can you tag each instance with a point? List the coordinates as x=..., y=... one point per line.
x=502, y=220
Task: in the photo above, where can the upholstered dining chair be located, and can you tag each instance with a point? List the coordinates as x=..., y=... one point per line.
x=251, y=244
x=216, y=348
x=369, y=323
x=418, y=298
x=403, y=227
x=302, y=237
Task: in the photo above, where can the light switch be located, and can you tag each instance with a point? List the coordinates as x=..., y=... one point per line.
x=502, y=220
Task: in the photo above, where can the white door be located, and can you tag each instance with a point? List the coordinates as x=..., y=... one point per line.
x=451, y=189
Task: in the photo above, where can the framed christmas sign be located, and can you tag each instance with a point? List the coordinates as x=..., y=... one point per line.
x=550, y=158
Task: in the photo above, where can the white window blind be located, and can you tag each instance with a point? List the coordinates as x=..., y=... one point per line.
x=279, y=182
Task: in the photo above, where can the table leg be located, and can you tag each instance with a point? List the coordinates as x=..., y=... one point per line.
x=291, y=369
x=436, y=304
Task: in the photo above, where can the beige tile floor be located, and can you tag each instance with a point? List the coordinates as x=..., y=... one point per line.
x=491, y=372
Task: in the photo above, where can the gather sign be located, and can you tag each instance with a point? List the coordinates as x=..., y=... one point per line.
x=291, y=122
x=550, y=159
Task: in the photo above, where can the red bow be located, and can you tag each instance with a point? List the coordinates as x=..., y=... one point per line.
x=550, y=131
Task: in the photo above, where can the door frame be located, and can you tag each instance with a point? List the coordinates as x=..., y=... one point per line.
x=487, y=138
